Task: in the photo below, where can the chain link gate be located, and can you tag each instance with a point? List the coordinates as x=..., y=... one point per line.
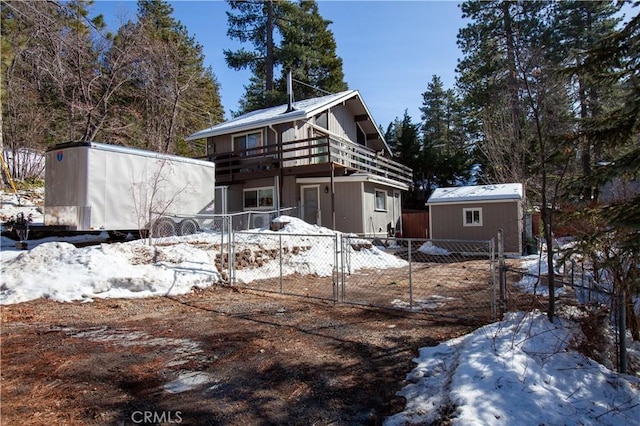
x=293, y=264
x=450, y=278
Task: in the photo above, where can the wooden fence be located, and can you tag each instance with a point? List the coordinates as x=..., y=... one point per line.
x=415, y=224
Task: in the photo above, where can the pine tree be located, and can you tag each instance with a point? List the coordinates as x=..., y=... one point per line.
x=285, y=36
x=523, y=104
x=611, y=231
x=444, y=151
x=309, y=51
x=496, y=44
x=403, y=139
x=575, y=26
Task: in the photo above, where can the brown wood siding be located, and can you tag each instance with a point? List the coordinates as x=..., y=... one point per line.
x=447, y=223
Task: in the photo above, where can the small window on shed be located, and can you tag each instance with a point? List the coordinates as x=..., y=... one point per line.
x=381, y=200
x=472, y=217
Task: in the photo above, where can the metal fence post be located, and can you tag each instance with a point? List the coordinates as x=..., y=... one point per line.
x=492, y=277
x=280, y=257
x=622, y=331
x=503, y=272
x=342, y=264
x=410, y=276
x=230, y=254
x=336, y=246
x=345, y=265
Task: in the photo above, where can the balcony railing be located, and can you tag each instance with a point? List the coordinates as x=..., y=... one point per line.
x=307, y=152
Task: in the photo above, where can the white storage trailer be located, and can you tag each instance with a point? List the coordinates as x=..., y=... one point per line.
x=94, y=186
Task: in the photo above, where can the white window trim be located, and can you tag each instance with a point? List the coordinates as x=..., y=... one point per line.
x=257, y=190
x=375, y=200
x=257, y=149
x=471, y=209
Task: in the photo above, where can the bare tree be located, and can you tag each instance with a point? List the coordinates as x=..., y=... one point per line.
x=154, y=195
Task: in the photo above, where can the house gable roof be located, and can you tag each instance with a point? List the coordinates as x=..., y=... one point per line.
x=504, y=191
x=303, y=109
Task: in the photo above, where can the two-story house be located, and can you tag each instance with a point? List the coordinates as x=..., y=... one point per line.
x=325, y=156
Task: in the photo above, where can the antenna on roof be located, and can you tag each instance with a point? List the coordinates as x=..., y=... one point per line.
x=289, y=92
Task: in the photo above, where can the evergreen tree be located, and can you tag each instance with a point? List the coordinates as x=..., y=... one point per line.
x=522, y=103
x=285, y=36
x=257, y=23
x=444, y=151
x=309, y=51
x=611, y=227
x=496, y=43
x=575, y=26
x=403, y=139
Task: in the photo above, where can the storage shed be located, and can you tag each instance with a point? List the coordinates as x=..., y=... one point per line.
x=477, y=213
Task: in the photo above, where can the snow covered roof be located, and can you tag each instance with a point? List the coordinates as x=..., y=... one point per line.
x=504, y=191
x=276, y=115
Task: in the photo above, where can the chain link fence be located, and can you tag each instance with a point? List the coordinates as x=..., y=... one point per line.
x=294, y=264
x=447, y=278
x=586, y=294
x=451, y=278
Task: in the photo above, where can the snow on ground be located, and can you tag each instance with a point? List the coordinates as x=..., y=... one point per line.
x=521, y=370
x=535, y=265
x=57, y=270
x=516, y=372
x=429, y=248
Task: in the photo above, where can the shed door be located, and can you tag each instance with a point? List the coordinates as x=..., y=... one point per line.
x=311, y=204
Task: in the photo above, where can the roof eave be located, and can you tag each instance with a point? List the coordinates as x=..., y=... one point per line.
x=285, y=118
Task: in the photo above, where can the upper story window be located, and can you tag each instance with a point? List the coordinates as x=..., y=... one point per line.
x=472, y=217
x=248, y=143
x=361, y=138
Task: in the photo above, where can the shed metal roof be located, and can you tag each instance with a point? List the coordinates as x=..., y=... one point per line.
x=504, y=191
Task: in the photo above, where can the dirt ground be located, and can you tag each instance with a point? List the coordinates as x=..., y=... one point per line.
x=250, y=358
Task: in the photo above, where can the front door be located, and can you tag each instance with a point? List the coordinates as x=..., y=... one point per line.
x=311, y=204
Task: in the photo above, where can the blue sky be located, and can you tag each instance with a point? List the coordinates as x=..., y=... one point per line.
x=390, y=49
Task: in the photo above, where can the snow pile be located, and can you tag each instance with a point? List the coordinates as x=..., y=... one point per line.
x=60, y=271
x=310, y=250
x=299, y=226
x=27, y=204
x=430, y=248
x=518, y=371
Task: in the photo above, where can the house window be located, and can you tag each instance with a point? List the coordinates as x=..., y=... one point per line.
x=248, y=144
x=381, y=201
x=258, y=198
x=472, y=217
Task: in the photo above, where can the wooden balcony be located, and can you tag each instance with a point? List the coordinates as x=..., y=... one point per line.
x=306, y=156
